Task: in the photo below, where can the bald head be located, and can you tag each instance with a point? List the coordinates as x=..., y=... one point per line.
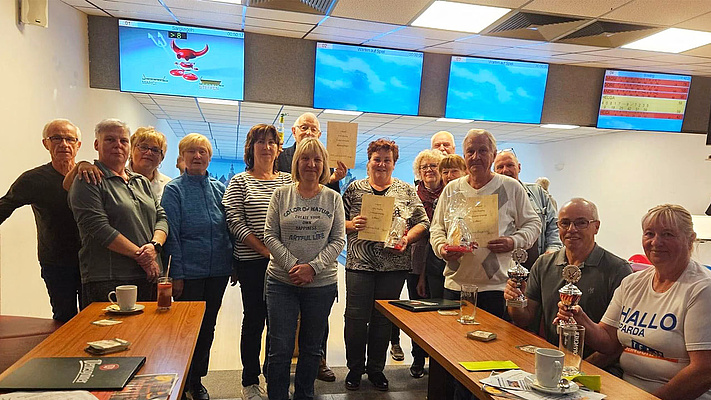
x=444, y=142
x=307, y=125
x=581, y=203
x=507, y=164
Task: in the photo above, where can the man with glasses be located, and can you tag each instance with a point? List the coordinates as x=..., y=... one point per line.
x=307, y=125
x=57, y=235
x=507, y=164
x=602, y=271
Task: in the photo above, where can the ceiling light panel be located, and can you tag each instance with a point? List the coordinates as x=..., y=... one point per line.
x=459, y=16
x=672, y=40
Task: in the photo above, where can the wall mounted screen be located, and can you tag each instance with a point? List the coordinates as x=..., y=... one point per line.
x=496, y=90
x=643, y=101
x=181, y=60
x=367, y=79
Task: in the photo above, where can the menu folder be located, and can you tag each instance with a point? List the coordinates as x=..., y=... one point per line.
x=73, y=373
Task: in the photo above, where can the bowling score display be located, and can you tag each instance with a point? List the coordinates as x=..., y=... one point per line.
x=643, y=101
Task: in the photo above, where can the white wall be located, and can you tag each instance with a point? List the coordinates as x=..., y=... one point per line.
x=46, y=76
x=624, y=175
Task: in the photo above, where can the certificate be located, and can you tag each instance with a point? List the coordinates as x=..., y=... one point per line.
x=341, y=143
x=483, y=218
x=379, y=213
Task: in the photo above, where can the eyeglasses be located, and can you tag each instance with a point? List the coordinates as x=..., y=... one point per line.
x=579, y=223
x=153, y=150
x=509, y=150
x=59, y=139
x=428, y=166
x=306, y=128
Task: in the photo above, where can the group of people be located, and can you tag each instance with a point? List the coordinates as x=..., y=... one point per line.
x=279, y=227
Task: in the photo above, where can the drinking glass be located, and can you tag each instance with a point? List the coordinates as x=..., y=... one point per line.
x=467, y=304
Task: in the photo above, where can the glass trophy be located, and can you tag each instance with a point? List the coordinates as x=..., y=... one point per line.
x=519, y=274
x=570, y=294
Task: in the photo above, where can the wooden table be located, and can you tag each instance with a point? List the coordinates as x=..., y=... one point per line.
x=166, y=338
x=444, y=339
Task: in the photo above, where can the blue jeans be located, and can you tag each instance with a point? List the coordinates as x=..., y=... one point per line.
x=284, y=304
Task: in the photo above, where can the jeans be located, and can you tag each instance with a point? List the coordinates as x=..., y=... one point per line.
x=99, y=291
x=251, y=282
x=63, y=284
x=417, y=352
x=210, y=290
x=285, y=303
x=364, y=325
x=491, y=301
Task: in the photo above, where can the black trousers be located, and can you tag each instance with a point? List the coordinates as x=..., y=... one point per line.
x=251, y=275
x=417, y=352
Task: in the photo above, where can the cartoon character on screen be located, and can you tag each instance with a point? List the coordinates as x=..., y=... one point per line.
x=186, y=68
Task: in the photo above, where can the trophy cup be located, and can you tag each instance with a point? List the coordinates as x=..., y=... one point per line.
x=519, y=274
x=570, y=294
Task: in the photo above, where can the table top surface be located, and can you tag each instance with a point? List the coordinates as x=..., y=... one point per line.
x=444, y=339
x=166, y=338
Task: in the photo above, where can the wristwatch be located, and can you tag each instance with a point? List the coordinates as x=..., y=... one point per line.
x=157, y=246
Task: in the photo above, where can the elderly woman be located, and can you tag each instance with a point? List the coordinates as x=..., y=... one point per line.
x=452, y=167
x=657, y=318
x=305, y=233
x=246, y=202
x=372, y=272
x=121, y=224
x=199, y=245
x=518, y=226
x=148, y=148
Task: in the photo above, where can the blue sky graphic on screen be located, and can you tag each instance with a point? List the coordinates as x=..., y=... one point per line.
x=643, y=101
x=181, y=60
x=367, y=79
x=496, y=90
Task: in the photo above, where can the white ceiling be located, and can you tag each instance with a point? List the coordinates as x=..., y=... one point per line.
x=384, y=24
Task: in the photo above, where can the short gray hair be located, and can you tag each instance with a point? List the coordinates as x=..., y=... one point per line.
x=589, y=204
x=110, y=124
x=451, y=137
x=429, y=154
x=473, y=133
x=53, y=124
x=304, y=115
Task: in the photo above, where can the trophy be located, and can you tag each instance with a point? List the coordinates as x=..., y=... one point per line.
x=519, y=274
x=570, y=294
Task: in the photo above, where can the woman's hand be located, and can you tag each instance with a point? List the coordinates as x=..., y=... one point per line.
x=301, y=274
x=89, y=173
x=178, y=285
x=145, y=254
x=402, y=246
x=359, y=222
x=450, y=255
x=504, y=244
x=152, y=270
x=422, y=286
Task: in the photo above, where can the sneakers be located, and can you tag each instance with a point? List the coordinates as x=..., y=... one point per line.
x=417, y=370
x=324, y=372
x=254, y=392
x=396, y=352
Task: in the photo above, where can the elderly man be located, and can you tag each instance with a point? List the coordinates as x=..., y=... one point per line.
x=444, y=142
x=518, y=225
x=57, y=235
x=307, y=125
x=507, y=164
x=601, y=270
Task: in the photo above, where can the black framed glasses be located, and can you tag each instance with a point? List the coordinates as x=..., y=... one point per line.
x=59, y=139
x=579, y=223
x=153, y=150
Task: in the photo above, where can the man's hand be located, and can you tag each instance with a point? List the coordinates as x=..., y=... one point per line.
x=145, y=254
x=89, y=173
x=422, y=286
x=178, y=285
x=450, y=255
x=339, y=172
x=503, y=244
x=301, y=274
x=152, y=270
x=511, y=291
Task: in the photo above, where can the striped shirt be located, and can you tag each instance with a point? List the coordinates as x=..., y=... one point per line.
x=246, y=202
x=365, y=255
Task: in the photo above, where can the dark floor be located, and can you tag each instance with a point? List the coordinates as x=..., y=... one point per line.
x=226, y=385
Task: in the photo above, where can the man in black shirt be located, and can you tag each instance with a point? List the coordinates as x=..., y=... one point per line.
x=57, y=235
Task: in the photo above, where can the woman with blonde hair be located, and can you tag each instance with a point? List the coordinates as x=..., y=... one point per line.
x=657, y=319
x=305, y=233
x=199, y=245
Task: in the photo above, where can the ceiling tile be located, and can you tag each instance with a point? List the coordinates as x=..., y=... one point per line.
x=394, y=11
x=703, y=51
x=268, y=23
x=274, y=32
x=184, y=6
x=281, y=15
x=345, y=23
x=430, y=33
x=496, y=41
x=700, y=23
x=658, y=12
x=583, y=8
x=352, y=34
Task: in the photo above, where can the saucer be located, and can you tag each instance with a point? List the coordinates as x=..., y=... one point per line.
x=555, y=390
x=114, y=308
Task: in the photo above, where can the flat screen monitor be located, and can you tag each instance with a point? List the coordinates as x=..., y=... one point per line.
x=181, y=60
x=643, y=101
x=496, y=90
x=367, y=79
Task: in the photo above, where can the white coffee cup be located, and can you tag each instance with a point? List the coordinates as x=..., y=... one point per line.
x=125, y=297
x=549, y=366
